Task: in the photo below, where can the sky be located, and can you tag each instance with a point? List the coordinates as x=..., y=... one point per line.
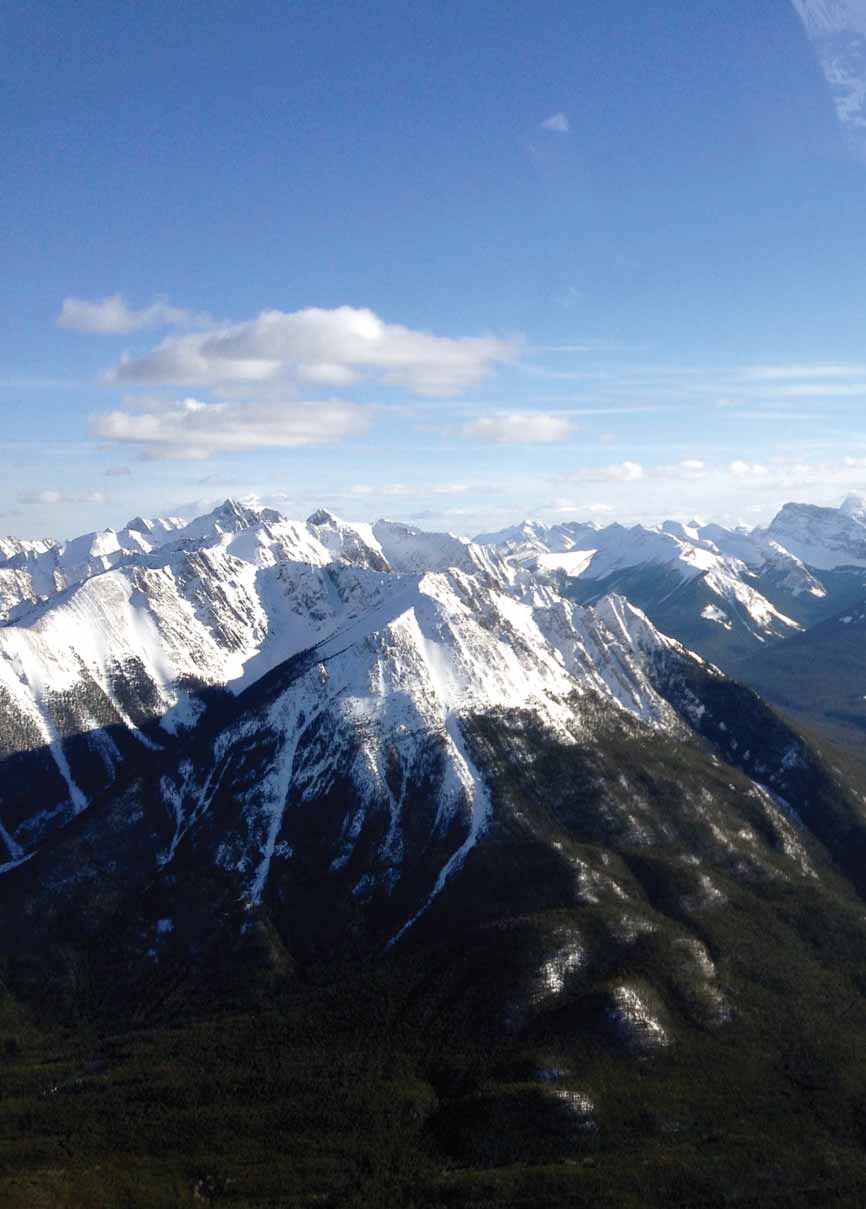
x=455, y=264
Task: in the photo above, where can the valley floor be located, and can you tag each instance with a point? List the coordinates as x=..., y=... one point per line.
x=335, y=1097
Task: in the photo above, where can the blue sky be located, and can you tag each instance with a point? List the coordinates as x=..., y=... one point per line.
x=447, y=262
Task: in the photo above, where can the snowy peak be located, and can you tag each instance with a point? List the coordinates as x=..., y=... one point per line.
x=822, y=538
x=323, y=517
x=854, y=506
x=521, y=542
x=13, y=547
x=231, y=516
x=528, y=535
x=408, y=549
x=351, y=542
x=156, y=529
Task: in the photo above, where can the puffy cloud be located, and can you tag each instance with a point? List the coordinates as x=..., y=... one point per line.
x=625, y=472
x=113, y=316
x=319, y=347
x=618, y=472
x=557, y=122
x=688, y=468
x=747, y=470
x=192, y=430
x=520, y=428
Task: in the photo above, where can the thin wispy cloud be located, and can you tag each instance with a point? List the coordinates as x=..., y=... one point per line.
x=50, y=497
x=520, y=428
x=113, y=316
x=770, y=373
x=836, y=29
x=562, y=506
x=617, y=472
x=557, y=122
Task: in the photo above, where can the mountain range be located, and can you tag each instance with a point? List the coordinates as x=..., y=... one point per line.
x=527, y=778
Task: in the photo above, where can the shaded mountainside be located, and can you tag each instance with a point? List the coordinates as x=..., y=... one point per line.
x=819, y=677
x=632, y=958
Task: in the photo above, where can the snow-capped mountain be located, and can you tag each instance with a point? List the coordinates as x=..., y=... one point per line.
x=133, y=641
x=721, y=591
x=130, y=657
x=280, y=709
x=822, y=538
x=31, y=571
x=135, y=636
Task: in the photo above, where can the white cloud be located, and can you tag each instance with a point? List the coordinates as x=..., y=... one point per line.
x=821, y=390
x=618, y=472
x=520, y=428
x=450, y=488
x=113, y=316
x=192, y=430
x=557, y=122
x=568, y=507
x=50, y=498
x=688, y=468
x=748, y=470
x=417, y=489
x=822, y=19
x=772, y=373
x=322, y=347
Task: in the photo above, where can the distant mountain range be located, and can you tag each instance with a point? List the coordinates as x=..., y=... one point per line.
x=745, y=599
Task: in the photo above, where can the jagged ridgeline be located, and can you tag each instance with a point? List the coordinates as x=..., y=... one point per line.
x=355, y=865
